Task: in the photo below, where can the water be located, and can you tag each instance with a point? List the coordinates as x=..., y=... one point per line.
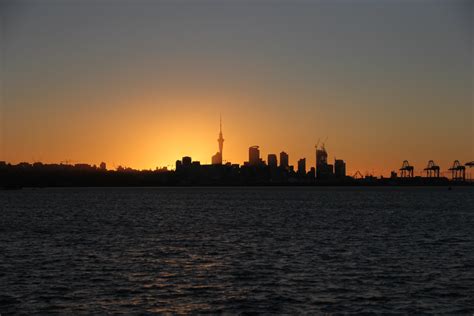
x=233, y=250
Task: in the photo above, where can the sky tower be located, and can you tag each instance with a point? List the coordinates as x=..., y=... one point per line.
x=221, y=139
x=217, y=158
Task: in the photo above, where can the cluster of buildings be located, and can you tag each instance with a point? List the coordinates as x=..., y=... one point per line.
x=323, y=170
x=274, y=168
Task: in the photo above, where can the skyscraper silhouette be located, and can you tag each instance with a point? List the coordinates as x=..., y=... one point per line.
x=302, y=166
x=272, y=160
x=254, y=156
x=284, y=163
x=339, y=168
x=324, y=171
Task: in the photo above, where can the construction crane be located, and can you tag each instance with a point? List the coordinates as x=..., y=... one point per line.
x=458, y=171
x=406, y=170
x=324, y=143
x=317, y=143
x=432, y=170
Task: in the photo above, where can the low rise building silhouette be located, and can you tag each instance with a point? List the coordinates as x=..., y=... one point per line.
x=103, y=166
x=186, y=161
x=217, y=159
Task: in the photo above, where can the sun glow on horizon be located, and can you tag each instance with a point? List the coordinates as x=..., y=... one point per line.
x=149, y=88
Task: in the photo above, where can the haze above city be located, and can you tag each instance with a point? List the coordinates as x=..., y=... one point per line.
x=142, y=83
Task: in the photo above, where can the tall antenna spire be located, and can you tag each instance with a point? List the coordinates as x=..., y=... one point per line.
x=221, y=139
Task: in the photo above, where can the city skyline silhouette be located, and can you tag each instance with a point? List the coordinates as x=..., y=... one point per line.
x=322, y=169
x=275, y=170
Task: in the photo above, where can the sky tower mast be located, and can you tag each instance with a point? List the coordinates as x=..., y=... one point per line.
x=221, y=139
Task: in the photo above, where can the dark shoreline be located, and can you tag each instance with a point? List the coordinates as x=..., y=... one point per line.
x=14, y=177
x=319, y=185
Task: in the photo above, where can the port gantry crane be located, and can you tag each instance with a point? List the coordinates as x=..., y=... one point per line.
x=458, y=171
x=358, y=175
x=432, y=170
x=470, y=164
x=406, y=170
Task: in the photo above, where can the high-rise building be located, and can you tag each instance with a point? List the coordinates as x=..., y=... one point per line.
x=321, y=157
x=217, y=158
x=302, y=166
x=254, y=156
x=339, y=168
x=272, y=160
x=323, y=170
x=330, y=171
x=284, y=160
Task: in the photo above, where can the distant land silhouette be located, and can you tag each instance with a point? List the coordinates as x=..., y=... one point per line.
x=255, y=171
x=189, y=173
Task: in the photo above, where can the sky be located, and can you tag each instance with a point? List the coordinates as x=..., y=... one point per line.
x=143, y=83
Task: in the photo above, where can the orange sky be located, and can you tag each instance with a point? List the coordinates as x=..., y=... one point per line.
x=143, y=85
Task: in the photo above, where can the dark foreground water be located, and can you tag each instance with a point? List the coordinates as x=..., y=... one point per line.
x=233, y=250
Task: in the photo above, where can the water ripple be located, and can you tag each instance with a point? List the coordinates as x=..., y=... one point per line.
x=237, y=250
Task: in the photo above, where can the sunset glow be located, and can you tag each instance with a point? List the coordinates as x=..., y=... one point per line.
x=128, y=85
